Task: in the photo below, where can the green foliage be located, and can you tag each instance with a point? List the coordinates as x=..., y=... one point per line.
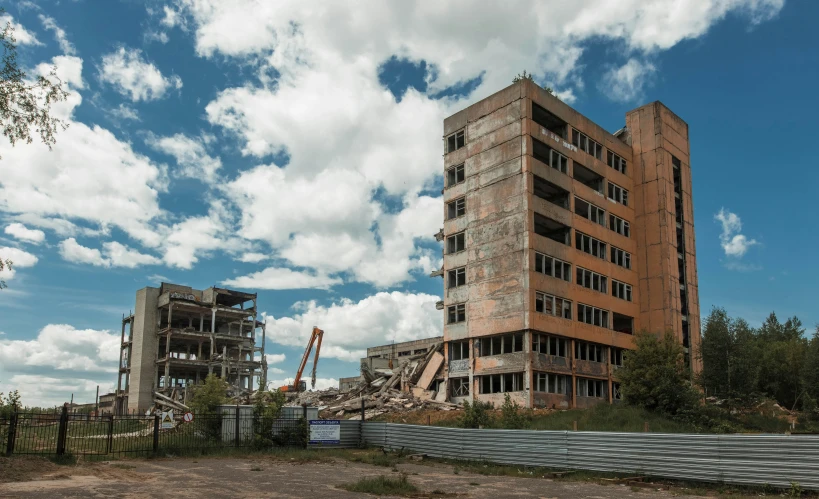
x=530, y=77
x=383, y=486
x=208, y=396
x=810, y=373
x=730, y=355
x=9, y=404
x=4, y=264
x=654, y=376
x=511, y=416
x=476, y=415
x=267, y=409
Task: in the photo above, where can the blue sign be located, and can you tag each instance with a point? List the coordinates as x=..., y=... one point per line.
x=325, y=431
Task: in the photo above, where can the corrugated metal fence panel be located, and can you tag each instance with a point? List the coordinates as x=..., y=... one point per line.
x=773, y=459
x=350, y=434
x=776, y=460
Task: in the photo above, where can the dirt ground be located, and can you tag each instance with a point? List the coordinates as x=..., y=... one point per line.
x=261, y=476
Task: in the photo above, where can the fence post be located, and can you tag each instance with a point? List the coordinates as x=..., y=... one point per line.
x=156, y=433
x=237, y=426
x=63, y=430
x=363, y=416
x=110, y=433
x=306, y=424
x=12, y=433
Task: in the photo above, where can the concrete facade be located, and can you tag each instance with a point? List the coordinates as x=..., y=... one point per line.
x=178, y=335
x=560, y=241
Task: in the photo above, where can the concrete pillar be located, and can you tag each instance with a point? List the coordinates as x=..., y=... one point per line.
x=213, y=321
x=170, y=313
x=224, y=360
x=201, y=322
x=168, y=358
x=199, y=352
x=574, y=378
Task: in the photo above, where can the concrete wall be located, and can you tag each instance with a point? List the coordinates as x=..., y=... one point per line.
x=143, y=353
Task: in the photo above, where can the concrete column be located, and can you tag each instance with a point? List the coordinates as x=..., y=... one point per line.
x=201, y=322
x=213, y=321
x=199, y=352
x=168, y=358
x=224, y=360
x=574, y=378
x=170, y=313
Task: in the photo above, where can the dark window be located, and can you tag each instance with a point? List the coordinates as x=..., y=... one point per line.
x=587, y=177
x=621, y=290
x=550, y=192
x=456, y=242
x=456, y=208
x=458, y=350
x=552, y=229
x=501, y=383
x=617, y=162
x=548, y=120
x=587, y=145
x=455, y=141
x=591, y=388
x=550, y=345
x=590, y=245
x=622, y=323
x=591, y=280
x=619, y=225
x=547, y=155
x=454, y=175
x=456, y=313
x=460, y=387
x=620, y=257
x=592, y=315
x=551, y=383
x=498, y=345
x=618, y=194
x=553, y=267
x=588, y=351
x=553, y=305
x=456, y=277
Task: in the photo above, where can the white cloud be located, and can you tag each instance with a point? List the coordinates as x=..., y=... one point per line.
x=350, y=327
x=191, y=156
x=627, y=82
x=116, y=255
x=19, y=258
x=60, y=361
x=321, y=383
x=171, y=18
x=124, y=112
x=275, y=358
x=89, y=175
x=198, y=237
x=23, y=36
x=282, y=278
x=253, y=257
x=59, y=34
x=733, y=243
x=23, y=233
x=134, y=77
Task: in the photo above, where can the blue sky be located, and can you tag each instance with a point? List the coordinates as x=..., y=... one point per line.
x=296, y=152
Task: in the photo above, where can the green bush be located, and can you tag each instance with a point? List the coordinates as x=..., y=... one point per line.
x=383, y=485
x=511, y=416
x=476, y=415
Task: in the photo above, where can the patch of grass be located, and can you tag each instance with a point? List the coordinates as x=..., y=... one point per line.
x=255, y=468
x=474, y=483
x=383, y=485
x=67, y=459
x=123, y=466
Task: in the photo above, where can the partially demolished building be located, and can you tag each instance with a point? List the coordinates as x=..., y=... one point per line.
x=560, y=241
x=178, y=335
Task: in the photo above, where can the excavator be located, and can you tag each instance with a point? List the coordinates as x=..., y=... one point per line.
x=299, y=385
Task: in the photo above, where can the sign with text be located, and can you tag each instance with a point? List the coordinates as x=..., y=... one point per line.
x=166, y=420
x=325, y=431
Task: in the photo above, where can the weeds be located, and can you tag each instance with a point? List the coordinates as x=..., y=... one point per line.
x=383, y=485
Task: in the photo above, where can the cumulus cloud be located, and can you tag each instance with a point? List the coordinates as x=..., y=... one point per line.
x=59, y=34
x=253, y=257
x=353, y=326
x=23, y=233
x=627, y=82
x=190, y=154
x=116, y=255
x=21, y=34
x=134, y=77
x=733, y=243
x=124, y=112
x=282, y=278
x=321, y=383
x=20, y=259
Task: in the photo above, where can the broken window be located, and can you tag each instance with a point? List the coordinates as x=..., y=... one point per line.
x=419, y=351
x=615, y=391
x=456, y=277
x=587, y=177
x=620, y=257
x=456, y=242
x=553, y=267
x=622, y=323
x=548, y=120
x=547, y=155
x=588, y=351
x=680, y=240
x=675, y=162
x=591, y=388
x=621, y=290
x=455, y=175
x=590, y=245
x=455, y=141
x=501, y=383
x=459, y=387
x=405, y=353
x=618, y=194
x=456, y=208
x=458, y=350
x=591, y=280
x=498, y=345
x=617, y=162
x=592, y=315
x=550, y=345
x=552, y=229
x=590, y=211
x=456, y=313
x=619, y=225
x=551, y=192
x=553, y=305
x=551, y=383
x=584, y=143
x=616, y=356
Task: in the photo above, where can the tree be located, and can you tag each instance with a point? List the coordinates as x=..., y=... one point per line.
x=208, y=396
x=528, y=76
x=4, y=264
x=810, y=369
x=25, y=104
x=783, y=350
x=730, y=357
x=654, y=376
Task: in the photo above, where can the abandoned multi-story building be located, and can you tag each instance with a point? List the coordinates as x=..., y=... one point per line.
x=178, y=335
x=562, y=240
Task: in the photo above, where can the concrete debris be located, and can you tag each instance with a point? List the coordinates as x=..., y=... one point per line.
x=383, y=390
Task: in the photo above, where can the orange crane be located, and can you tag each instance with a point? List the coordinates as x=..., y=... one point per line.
x=315, y=338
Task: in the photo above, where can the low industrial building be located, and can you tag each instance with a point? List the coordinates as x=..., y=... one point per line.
x=178, y=335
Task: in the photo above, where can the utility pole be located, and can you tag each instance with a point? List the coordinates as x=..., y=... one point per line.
x=97, y=402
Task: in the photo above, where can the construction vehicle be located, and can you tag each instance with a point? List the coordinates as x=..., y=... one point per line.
x=299, y=385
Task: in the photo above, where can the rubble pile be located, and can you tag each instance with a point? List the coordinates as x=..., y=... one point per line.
x=401, y=389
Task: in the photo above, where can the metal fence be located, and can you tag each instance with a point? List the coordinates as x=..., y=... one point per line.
x=775, y=460
x=64, y=433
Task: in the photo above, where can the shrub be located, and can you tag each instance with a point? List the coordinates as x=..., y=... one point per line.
x=511, y=417
x=476, y=415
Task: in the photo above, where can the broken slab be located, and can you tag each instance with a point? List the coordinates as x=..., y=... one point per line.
x=431, y=369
